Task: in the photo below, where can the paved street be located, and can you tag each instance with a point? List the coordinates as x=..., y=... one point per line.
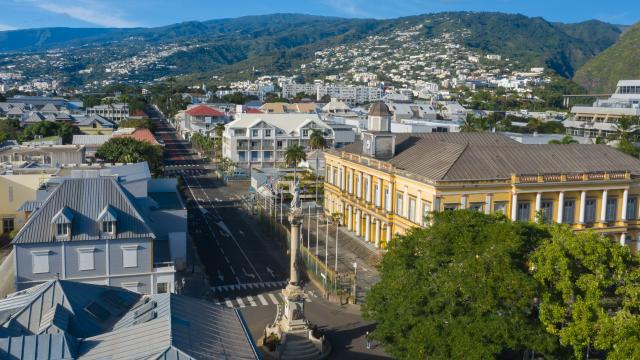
x=243, y=267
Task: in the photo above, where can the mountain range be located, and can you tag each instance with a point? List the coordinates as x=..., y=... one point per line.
x=278, y=43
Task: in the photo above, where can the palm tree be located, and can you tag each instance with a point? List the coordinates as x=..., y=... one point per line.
x=293, y=155
x=567, y=139
x=317, y=142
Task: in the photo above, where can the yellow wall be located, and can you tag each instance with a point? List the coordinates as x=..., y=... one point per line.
x=475, y=192
x=14, y=191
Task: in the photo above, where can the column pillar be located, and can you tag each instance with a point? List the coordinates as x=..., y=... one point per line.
x=603, y=207
x=367, y=228
x=463, y=202
x=379, y=193
x=487, y=204
x=419, y=208
x=377, y=236
x=623, y=239
x=388, y=233
x=583, y=200
x=405, y=203
x=358, y=222
x=625, y=199
x=560, y=206
x=538, y=201
x=514, y=206
x=349, y=217
x=295, y=238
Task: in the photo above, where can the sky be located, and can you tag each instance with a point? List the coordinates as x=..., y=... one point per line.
x=21, y=14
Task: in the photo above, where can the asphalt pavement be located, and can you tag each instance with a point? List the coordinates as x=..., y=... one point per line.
x=244, y=268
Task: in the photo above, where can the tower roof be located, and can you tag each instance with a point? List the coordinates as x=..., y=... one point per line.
x=379, y=109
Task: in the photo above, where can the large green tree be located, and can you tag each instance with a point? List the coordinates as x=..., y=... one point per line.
x=590, y=293
x=128, y=150
x=49, y=128
x=459, y=289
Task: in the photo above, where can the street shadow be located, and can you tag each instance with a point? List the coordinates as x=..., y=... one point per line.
x=345, y=342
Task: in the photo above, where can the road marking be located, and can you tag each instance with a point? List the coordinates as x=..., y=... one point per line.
x=271, y=272
x=240, y=302
x=220, y=276
x=273, y=298
x=228, y=302
x=263, y=301
x=251, y=301
x=238, y=280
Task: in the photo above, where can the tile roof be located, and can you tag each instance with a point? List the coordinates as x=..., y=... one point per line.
x=141, y=135
x=203, y=110
x=488, y=156
x=85, y=198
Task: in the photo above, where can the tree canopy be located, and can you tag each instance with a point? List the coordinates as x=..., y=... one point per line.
x=458, y=289
x=129, y=150
x=478, y=286
x=49, y=128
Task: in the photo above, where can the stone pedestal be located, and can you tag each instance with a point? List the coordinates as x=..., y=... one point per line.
x=296, y=340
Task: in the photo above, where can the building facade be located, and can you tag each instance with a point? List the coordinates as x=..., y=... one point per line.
x=601, y=119
x=113, y=112
x=390, y=183
x=93, y=230
x=260, y=140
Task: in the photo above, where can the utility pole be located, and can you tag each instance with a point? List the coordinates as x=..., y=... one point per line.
x=326, y=246
x=317, y=236
x=309, y=235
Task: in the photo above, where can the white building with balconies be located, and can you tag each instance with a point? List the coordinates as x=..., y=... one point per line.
x=260, y=140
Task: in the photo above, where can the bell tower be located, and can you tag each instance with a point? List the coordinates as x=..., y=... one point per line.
x=378, y=141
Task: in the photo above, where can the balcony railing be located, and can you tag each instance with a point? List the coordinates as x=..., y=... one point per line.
x=165, y=266
x=553, y=178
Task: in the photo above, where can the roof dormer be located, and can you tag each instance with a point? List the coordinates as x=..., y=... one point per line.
x=62, y=222
x=107, y=220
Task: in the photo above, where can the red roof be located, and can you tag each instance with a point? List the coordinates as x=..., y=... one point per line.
x=138, y=112
x=141, y=135
x=253, y=111
x=203, y=110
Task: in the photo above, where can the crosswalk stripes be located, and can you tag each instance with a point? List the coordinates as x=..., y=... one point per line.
x=263, y=301
x=249, y=286
x=240, y=302
x=273, y=298
x=266, y=299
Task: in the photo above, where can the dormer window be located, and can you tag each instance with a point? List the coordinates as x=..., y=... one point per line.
x=107, y=220
x=62, y=222
x=108, y=227
x=62, y=229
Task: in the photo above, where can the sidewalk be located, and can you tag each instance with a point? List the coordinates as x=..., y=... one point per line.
x=351, y=249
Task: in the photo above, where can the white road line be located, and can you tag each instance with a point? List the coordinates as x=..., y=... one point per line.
x=238, y=280
x=262, y=299
x=251, y=301
x=240, y=302
x=228, y=302
x=274, y=300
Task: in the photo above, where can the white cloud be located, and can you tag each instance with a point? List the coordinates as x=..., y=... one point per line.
x=5, y=27
x=89, y=11
x=348, y=7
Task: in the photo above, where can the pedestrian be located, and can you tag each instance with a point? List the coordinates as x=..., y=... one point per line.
x=368, y=340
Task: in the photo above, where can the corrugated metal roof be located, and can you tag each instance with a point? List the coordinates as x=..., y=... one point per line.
x=181, y=328
x=90, y=139
x=86, y=198
x=488, y=156
x=29, y=206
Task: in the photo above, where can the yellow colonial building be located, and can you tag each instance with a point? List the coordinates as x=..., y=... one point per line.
x=389, y=183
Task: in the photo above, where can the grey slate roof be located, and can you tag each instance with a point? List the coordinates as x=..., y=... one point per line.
x=488, y=156
x=162, y=326
x=85, y=198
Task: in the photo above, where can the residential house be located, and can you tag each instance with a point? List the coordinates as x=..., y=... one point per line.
x=16, y=190
x=95, y=230
x=285, y=108
x=44, y=155
x=202, y=119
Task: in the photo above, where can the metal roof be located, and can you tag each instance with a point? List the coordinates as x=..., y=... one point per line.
x=162, y=326
x=85, y=198
x=488, y=156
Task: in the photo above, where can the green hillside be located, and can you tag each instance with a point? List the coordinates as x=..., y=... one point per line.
x=620, y=61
